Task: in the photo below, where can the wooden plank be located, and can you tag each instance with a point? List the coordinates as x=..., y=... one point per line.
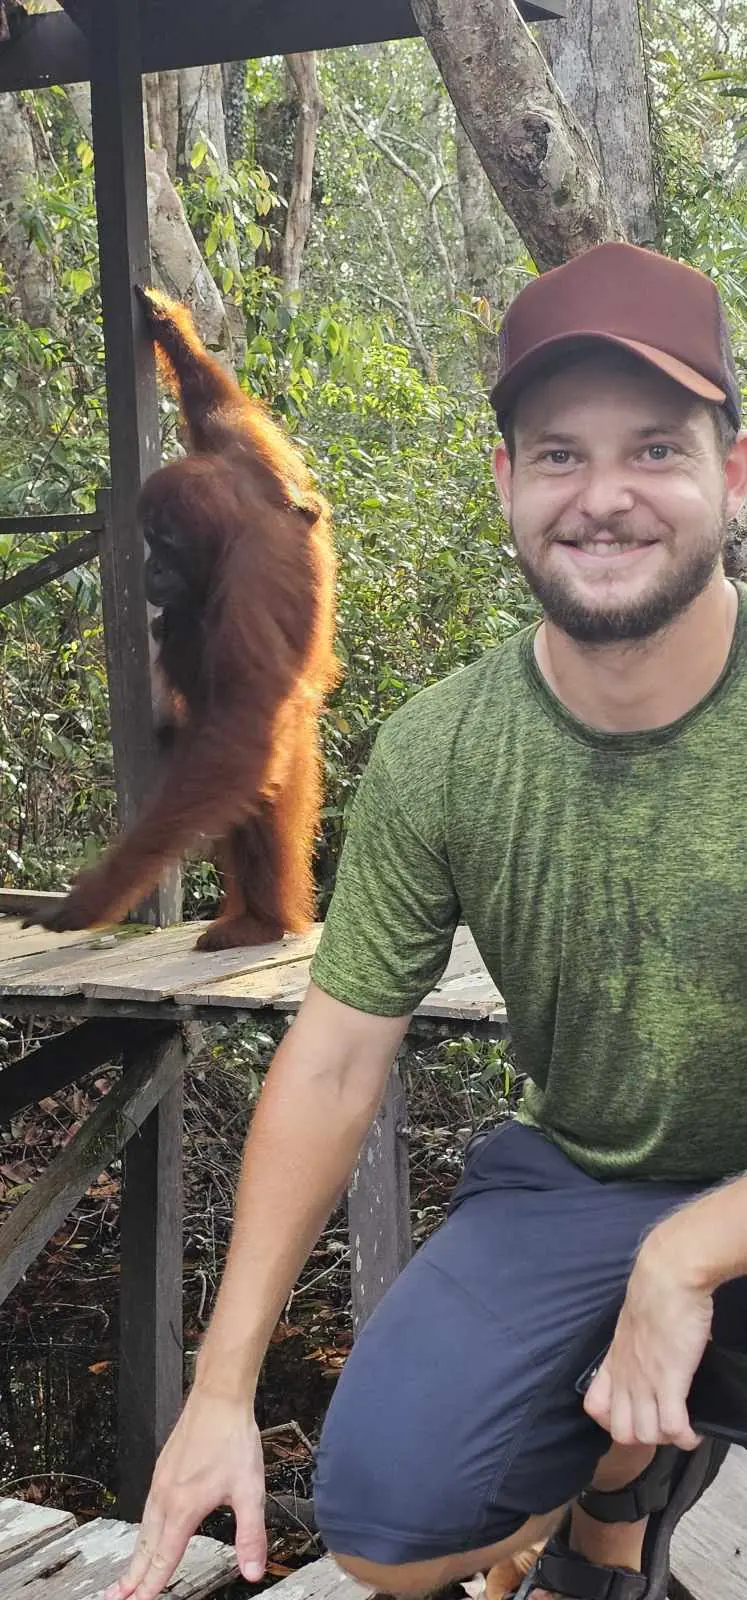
x=709, y=1549
x=17, y=941
x=25, y=1528
x=164, y=963
x=16, y=902
x=132, y=411
x=63, y=522
x=279, y=986
x=55, y=565
x=64, y=1060
x=64, y=972
x=116, y=1117
x=379, y=1206
x=151, y=1362
x=83, y=1563
x=190, y=969
x=320, y=1580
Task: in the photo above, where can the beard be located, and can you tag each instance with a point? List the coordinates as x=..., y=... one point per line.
x=640, y=618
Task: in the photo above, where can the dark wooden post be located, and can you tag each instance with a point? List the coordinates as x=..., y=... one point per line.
x=124, y=255
x=151, y=1370
x=379, y=1206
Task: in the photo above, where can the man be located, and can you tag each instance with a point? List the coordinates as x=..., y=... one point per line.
x=577, y=797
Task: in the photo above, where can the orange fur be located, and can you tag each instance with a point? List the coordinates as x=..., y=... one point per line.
x=247, y=657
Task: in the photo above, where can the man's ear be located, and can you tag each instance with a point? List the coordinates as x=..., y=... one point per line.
x=503, y=474
x=735, y=476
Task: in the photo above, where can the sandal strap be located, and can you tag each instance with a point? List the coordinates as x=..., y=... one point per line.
x=566, y=1573
x=647, y=1493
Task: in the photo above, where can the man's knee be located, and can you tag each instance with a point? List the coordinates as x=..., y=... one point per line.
x=403, y=1580
x=412, y=1579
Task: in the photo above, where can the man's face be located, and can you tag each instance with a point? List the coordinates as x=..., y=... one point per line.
x=617, y=498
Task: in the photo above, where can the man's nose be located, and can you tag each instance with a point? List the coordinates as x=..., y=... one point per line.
x=605, y=492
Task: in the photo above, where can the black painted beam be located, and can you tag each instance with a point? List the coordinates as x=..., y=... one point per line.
x=55, y=565
x=132, y=404
x=64, y=523
x=184, y=33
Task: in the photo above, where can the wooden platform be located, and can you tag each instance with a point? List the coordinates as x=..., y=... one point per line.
x=45, y=1555
x=157, y=973
x=709, y=1550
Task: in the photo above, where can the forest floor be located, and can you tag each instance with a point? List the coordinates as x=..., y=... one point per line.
x=58, y=1330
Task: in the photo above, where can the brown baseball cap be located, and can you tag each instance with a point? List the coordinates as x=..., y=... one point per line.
x=667, y=313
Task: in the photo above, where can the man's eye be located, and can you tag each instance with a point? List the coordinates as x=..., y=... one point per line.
x=558, y=458
x=659, y=452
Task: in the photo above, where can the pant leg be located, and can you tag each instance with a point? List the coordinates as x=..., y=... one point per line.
x=456, y=1415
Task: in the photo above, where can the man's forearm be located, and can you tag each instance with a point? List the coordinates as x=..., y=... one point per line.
x=305, y=1137
x=705, y=1243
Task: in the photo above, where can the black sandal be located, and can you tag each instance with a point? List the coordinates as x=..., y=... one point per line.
x=666, y=1489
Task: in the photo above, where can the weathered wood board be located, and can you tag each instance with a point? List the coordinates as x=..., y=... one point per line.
x=709, y=1549
x=84, y=1562
x=24, y=1528
x=140, y=967
x=321, y=1580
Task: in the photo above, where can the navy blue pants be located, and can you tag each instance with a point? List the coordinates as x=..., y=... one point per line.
x=457, y=1416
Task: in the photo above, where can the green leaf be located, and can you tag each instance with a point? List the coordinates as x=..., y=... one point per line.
x=80, y=279
x=255, y=234
x=198, y=154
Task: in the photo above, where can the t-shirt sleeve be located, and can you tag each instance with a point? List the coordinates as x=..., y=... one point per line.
x=389, y=929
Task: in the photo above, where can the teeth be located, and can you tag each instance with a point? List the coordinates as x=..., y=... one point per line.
x=607, y=547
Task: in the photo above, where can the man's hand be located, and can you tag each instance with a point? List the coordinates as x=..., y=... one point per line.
x=213, y=1458
x=640, y=1391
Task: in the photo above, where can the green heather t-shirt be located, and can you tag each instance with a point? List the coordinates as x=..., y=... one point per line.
x=604, y=879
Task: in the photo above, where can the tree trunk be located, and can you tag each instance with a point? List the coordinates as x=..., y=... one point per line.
x=274, y=139
x=177, y=260
x=30, y=272
x=201, y=113
x=484, y=251
x=596, y=58
x=201, y=116
x=538, y=159
x=302, y=70
x=152, y=98
x=168, y=88
x=234, y=108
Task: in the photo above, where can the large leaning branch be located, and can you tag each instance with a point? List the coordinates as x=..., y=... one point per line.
x=537, y=157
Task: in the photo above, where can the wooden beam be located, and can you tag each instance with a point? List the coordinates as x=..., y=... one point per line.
x=379, y=1206
x=18, y=902
x=51, y=49
x=95, y=1043
x=134, y=432
x=55, y=565
x=151, y=1360
x=122, y=1111
x=64, y=523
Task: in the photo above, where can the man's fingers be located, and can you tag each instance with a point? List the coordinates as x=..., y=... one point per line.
x=598, y=1396
x=146, y=1543
x=165, y=1559
x=645, y=1417
x=675, y=1422
x=251, y=1539
x=621, y=1416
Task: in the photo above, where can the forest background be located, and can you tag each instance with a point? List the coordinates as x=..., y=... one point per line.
x=341, y=246
x=332, y=228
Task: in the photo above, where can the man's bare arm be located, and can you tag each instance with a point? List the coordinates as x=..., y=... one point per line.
x=319, y=1099
x=320, y=1096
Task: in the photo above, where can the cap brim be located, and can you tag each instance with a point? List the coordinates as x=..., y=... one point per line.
x=505, y=391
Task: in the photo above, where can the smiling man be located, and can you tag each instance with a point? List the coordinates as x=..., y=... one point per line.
x=576, y=797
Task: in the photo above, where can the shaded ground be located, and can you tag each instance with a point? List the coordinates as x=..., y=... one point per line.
x=58, y=1331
